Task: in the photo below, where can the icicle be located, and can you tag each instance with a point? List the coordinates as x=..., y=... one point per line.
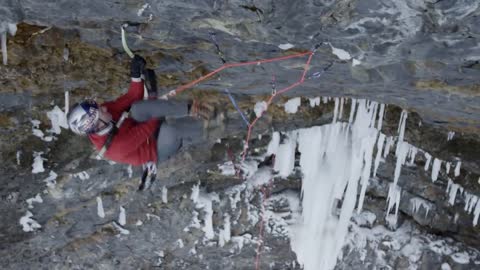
x=4, y=47
x=435, y=169
x=340, y=114
x=418, y=203
x=403, y=148
x=122, y=220
x=468, y=198
x=334, y=159
x=450, y=135
x=388, y=145
x=352, y=111
x=427, y=162
x=381, y=140
x=471, y=203
x=401, y=126
x=476, y=213
x=373, y=109
x=325, y=100
x=447, y=167
x=285, y=157
x=457, y=169
x=452, y=189
x=380, y=117
x=413, y=153
x=393, y=199
x=335, y=111
x=100, y=211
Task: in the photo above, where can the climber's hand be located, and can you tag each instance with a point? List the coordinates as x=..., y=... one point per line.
x=137, y=65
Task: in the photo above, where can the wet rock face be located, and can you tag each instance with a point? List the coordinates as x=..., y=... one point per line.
x=418, y=56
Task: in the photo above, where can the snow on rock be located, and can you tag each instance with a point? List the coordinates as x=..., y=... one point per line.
x=314, y=101
x=58, y=119
x=100, y=211
x=445, y=266
x=227, y=168
x=122, y=217
x=260, y=107
x=204, y=201
x=164, y=194
x=36, y=199
x=29, y=224
x=51, y=181
x=356, y=62
x=121, y=229
x=291, y=106
x=37, y=166
x=285, y=46
x=365, y=219
x=340, y=53
x=225, y=234
x=461, y=257
x=83, y=175
x=142, y=9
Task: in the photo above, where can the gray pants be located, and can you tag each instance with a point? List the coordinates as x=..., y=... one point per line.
x=177, y=131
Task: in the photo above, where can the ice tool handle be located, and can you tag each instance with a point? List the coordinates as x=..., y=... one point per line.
x=130, y=53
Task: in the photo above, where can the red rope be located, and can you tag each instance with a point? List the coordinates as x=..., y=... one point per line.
x=300, y=81
x=225, y=66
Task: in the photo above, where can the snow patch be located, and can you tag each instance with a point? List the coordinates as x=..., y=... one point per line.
x=285, y=46
x=340, y=53
x=291, y=106
x=37, y=166
x=28, y=223
x=260, y=107
x=36, y=199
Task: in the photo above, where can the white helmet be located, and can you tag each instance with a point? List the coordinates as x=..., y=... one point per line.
x=83, y=117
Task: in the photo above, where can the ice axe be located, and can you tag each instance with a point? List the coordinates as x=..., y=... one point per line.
x=149, y=169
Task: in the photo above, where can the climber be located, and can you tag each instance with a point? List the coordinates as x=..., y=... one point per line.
x=154, y=130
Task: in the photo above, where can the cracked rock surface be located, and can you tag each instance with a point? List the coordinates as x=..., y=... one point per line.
x=418, y=56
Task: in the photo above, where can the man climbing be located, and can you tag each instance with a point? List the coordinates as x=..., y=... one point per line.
x=145, y=135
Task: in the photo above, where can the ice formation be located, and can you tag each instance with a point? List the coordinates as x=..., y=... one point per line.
x=204, y=201
x=436, y=169
x=100, y=211
x=122, y=218
x=335, y=160
x=11, y=28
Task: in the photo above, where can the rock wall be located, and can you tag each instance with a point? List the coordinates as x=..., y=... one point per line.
x=417, y=56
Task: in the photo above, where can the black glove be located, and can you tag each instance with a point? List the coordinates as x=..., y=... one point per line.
x=136, y=66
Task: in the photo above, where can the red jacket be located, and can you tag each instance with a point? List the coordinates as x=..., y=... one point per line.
x=135, y=142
